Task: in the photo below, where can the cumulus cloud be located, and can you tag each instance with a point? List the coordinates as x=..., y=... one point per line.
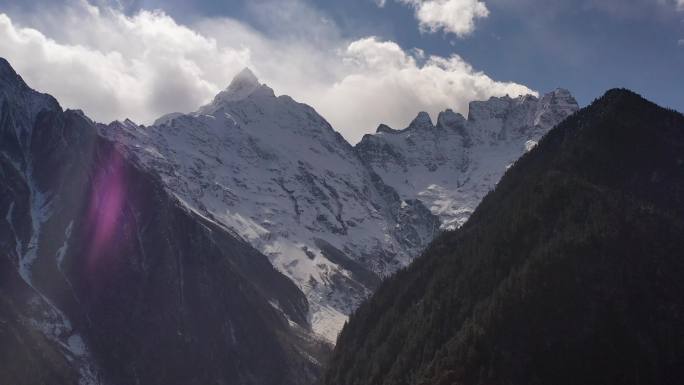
x=450, y=16
x=389, y=85
x=114, y=66
x=145, y=65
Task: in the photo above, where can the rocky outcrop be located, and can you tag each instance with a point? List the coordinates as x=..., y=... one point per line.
x=450, y=166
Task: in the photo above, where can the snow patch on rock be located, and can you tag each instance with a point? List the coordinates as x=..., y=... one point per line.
x=276, y=173
x=452, y=165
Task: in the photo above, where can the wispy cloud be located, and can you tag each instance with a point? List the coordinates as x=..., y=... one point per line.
x=144, y=65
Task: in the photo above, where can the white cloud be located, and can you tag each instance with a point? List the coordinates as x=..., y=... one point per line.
x=142, y=66
x=380, y=3
x=451, y=16
x=114, y=66
x=386, y=84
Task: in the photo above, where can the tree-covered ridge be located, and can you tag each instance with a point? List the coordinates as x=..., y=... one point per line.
x=570, y=272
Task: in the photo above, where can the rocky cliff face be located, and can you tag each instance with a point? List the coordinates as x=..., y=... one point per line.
x=451, y=165
x=106, y=278
x=275, y=173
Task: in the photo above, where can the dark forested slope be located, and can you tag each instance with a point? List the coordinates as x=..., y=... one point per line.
x=570, y=272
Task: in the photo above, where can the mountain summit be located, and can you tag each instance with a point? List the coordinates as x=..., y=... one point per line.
x=328, y=215
x=243, y=85
x=107, y=278
x=246, y=76
x=274, y=172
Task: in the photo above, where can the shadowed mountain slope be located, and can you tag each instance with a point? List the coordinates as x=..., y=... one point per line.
x=570, y=272
x=105, y=278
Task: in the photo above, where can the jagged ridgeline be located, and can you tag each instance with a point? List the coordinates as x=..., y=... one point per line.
x=570, y=272
x=451, y=165
x=275, y=173
x=227, y=243
x=331, y=217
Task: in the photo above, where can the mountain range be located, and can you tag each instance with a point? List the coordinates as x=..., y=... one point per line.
x=332, y=217
x=228, y=245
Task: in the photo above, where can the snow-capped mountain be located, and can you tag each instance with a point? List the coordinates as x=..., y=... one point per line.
x=129, y=241
x=450, y=166
x=106, y=278
x=275, y=173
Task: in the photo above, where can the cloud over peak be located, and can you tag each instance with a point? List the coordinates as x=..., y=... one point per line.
x=145, y=65
x=390, y=85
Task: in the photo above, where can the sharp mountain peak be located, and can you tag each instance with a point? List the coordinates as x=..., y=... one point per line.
x=243, y=85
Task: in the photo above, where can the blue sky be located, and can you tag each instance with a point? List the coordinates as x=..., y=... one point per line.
x=587, y=46
x=588, y=51
x=544, y=44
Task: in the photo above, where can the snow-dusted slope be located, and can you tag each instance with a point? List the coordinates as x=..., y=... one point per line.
x=106, y=278
x=275, y=172
x=450, y=166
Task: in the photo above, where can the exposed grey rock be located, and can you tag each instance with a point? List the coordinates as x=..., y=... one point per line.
x=274, y=172
x=451, y=166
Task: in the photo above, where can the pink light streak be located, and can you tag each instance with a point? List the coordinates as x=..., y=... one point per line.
x=105, y=213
